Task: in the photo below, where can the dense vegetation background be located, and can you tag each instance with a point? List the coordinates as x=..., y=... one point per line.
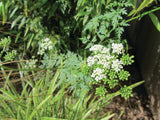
x=44, y=47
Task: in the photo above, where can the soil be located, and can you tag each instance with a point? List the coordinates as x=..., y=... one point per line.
x=134, y=108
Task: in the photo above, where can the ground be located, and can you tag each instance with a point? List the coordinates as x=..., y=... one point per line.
x=136, y=107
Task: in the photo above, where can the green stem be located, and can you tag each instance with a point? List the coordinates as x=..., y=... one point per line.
x=143, y=14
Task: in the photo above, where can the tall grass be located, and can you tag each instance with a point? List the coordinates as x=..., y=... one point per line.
x=48, y=99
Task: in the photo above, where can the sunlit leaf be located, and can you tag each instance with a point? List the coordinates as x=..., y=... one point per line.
x=23, y=21
x=155, y=21
x=144, y=4
x=14, y=23
x=25, y=8
x=13, y=12
x=3, y=12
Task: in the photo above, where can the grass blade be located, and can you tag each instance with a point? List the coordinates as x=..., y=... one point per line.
x=7, y=109
x=38, y=107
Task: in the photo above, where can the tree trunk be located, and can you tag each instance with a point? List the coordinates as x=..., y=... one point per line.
x=145, y=38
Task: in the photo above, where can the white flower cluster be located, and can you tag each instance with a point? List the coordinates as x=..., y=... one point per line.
x=91, y=60
x=98, y=74
x=105, y=57
x=45, y=45
x=96, y=48
x=31, y=63
x=117, y=65
x=117, y=48
x=99, y=48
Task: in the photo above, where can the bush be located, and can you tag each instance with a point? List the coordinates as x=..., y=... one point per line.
x=46, y=43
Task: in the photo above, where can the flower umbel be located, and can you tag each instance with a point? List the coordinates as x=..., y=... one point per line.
x=106, y=66
x=31, y=63
x=117, y=48
x=98, y=74
x=46, y=44
x=96, y=48
x=117, y=65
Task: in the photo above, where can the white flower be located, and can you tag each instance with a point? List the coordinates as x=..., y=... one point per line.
x=97, y=78
x=31, y=63
x=117, y=65
x=96, y=48
x=46, y=39
x=108, y=57
x=50, y=47
x=98, y=74
x=41, y=51
x=46, y=44
x=91, y=60
x=98, y=56
x=105, y=50
x=106, y=65
x=117, y=48
x=102, y=61
x=42, y=45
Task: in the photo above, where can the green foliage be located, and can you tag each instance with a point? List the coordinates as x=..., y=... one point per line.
x=48, y=99
x=126, y=92
x=112, y=83
x=144, y=4
x=127, y=60
x=5, y=42
x=155, y=20
x=10, y=55
x=112, y=74
x=106, y=26
x=73, y=74
x=40, y=35
x=101, y=91
x=123, y=75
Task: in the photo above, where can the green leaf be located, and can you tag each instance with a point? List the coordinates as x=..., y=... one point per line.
x=35, y=100
x=51, y=118
x=53, y=10
x=132, y=12
x=17, y=37
x=53, y=81
x=144, y=4
x=13, y=12
x=3, y=12
x=79, y=3
x=136, y=84
x=8, y=109
x=10, y=95
x=29, y=107
x=14, y=23
x=134, y=2
x=83, y=13
x=108, y=1
x=26, y=30
x=30, y=41
x=23, y=21
x=38, y=107
x=25, y=7
x=108, y=117
x=155, y=21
